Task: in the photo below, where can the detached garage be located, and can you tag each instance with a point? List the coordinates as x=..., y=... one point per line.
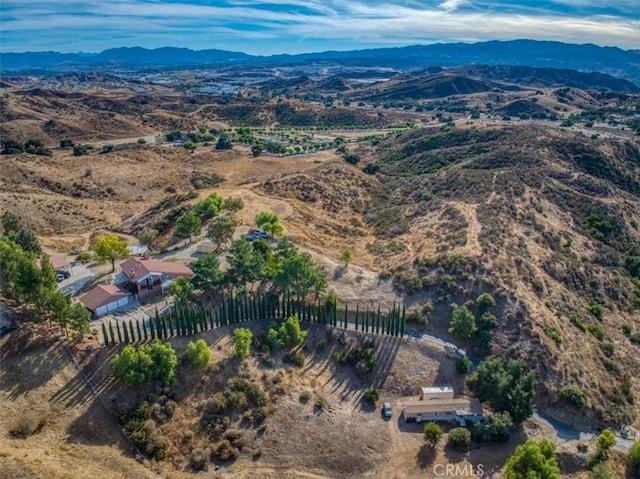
x=104, y=299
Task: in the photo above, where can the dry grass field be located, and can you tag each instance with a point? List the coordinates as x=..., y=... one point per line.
x=492, y=212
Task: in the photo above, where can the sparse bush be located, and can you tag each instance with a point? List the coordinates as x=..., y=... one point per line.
x=574, y=395
x=371, y=394
x=199, y=459
x=595, y=309
x=23, y=427
x=608, y=349
x=198, y=353
x=297, y=358
x=494, y=428
x=554, y=334
x=242, y=338
x=485, y=302
x=305, y=397
x=224, y=451
x=432, y=434
x=596, y=330
x=577, y=322
x=459, y=438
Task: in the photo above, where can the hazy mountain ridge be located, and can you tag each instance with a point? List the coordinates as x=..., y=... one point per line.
x=587, y=57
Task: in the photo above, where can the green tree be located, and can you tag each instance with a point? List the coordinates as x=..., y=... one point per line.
x=346, y=257
x=12, y=147
x=198, y=353
x=463, y=364
x=371, y=394
x=233, y=204
x=286, y=335
x=485, y=302
x=47, y=276
x=224, y=143
x=133, y=365
x=510, y=386
x=11, y=223
x=66, y=144
x=300, y=275
x=432, y=434
x=459, y=438
x=495, y=427
x=574, y=395
x=601, y=471
x=256, y=150
x=26, y=238
x=60, y=309
x=188, y=225
x=352, y=158
x=246, y=265
x=242, y=338
x=182, y=291
x=190, y=146
x=108, y=248
x=164, y=361
x=79, y=320
x=463, y=323
x=221, y=229
x=533, y=460
x=604, y=443
x=633, y=459
x=207, y=274
x=148, y=236
x=270, y=223
x=211, y=206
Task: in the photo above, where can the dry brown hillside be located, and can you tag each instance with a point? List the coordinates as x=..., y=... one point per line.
x=545, y=219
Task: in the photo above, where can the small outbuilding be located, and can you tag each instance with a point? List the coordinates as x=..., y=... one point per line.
x=105, y=298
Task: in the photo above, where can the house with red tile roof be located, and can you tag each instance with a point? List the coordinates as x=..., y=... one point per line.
x=149, y=277
x=105, y=298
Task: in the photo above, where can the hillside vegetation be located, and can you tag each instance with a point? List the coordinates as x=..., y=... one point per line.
x=556, y=217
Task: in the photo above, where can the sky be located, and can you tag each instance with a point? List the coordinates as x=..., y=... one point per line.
x=297, y=26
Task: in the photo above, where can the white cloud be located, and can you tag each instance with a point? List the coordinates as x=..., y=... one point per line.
x=451, y=5
x=291, y=24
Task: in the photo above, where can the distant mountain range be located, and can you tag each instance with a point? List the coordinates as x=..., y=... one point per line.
x=587, y=57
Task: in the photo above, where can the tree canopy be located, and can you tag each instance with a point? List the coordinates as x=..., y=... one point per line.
x=533, y=460
x=246, y=265
x=432, y=434
x=198, y=353
x=207, y=274
x=242, y=338
x=138, y=366
x=509, y=386
x=221, y=229
x=463, y=323
x=301, y=276
x=108, y=248
x=182, y=291
x=211, y=206
x=188, y=225
x=270, y=223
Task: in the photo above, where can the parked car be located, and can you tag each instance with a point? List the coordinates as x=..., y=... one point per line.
x=386, y=410
x=256, y=234
x=7, y=328
x=65, y=274
x=59, y=277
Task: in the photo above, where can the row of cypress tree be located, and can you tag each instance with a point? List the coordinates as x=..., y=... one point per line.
x=233, y=309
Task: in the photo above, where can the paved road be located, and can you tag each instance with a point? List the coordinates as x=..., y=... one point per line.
x=80, y=275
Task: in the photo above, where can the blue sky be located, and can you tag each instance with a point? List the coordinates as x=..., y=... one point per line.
x=295, y=26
